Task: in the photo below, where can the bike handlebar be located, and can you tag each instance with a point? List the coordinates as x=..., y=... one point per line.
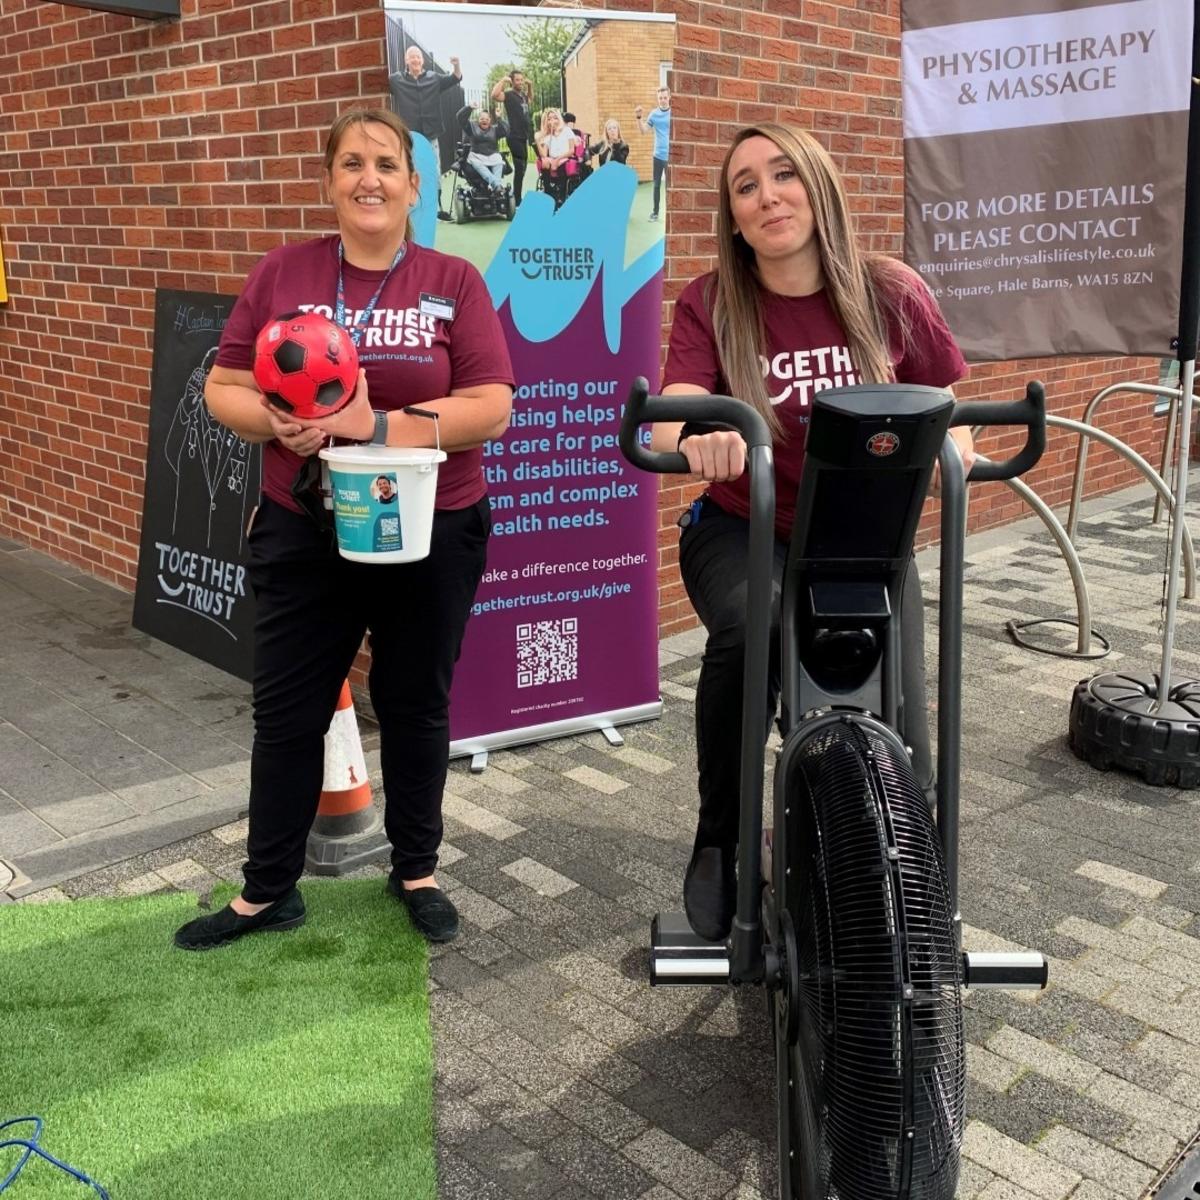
x=1030, y=412
x=642, y=408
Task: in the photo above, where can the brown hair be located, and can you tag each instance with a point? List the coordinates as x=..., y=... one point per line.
x=861, y=287
x=363, y=117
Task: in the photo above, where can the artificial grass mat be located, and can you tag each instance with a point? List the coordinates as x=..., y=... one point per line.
x=285, y=1065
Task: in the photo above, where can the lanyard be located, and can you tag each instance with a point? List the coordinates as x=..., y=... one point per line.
x=364, y=317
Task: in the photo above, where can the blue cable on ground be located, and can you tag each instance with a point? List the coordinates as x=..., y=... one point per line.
x=31, y=1148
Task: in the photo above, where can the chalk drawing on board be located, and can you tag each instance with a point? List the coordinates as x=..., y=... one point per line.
x=206, y=458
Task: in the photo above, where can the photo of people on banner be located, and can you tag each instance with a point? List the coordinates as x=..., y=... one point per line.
x=513, y=105
x=542, y=141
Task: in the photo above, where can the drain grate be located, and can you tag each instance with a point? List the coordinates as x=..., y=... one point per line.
x=1183, y=1182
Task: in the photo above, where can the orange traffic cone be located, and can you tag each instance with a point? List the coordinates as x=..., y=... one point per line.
x=348, y=831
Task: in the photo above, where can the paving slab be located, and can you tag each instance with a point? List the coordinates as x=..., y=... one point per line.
x=560, y=1074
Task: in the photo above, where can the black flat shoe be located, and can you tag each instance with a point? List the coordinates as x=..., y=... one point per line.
x=710, y=892
x=431, y=911
x=227, y=925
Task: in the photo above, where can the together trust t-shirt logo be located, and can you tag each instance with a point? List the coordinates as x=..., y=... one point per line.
x=799, y=374
x=554, y=263
x=389, y=327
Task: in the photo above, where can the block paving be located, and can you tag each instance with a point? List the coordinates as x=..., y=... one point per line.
x=561, y=1075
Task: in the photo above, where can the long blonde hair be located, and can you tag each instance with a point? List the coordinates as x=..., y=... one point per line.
x=861, y=287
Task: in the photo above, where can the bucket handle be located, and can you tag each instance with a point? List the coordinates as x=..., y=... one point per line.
x=426, y=412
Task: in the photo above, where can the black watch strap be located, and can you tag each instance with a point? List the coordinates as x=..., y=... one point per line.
x=379, y=437
x=696, y=429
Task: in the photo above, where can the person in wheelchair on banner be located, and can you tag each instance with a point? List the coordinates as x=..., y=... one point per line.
x=479, y=188
x=610, y=147
x=583, y=167
x=483, y=134
x=556, y=158
x=794, y=307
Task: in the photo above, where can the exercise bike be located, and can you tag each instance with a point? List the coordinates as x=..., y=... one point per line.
x=847, y=907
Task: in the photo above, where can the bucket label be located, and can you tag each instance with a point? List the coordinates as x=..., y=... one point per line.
x=366, y=510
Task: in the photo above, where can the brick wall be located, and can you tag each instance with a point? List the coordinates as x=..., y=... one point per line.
x=136, y=155
x=625, y=70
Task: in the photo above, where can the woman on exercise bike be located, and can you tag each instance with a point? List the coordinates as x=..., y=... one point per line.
x=794, y=307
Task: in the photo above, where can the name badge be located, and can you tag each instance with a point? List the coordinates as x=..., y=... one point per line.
x=437, y=306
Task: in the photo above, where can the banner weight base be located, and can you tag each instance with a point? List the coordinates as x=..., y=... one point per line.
x=478, y=747
x=1118, y=720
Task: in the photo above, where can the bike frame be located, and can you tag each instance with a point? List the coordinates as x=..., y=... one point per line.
x=749, y=950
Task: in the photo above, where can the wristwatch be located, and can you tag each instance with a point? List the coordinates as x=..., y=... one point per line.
x=695, y=429
x=379, y=437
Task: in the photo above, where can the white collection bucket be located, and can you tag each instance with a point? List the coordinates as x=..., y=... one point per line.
x=383, y=500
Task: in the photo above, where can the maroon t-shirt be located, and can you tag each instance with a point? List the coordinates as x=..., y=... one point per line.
x=409, y=356
x=806, y=353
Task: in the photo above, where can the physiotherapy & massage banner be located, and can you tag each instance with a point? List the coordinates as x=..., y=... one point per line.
x=1045, y=143
x=563, y=635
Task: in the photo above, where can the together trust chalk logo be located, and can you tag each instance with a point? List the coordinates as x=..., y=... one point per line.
x=554, y=263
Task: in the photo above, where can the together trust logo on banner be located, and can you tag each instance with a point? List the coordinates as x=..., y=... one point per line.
x=554, y=263
x=550, y=261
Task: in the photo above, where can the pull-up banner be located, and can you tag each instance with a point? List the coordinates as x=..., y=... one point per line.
x=563, y=635
x=1045, y=145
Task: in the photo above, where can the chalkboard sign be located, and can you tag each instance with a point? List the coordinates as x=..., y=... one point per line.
x=202, y=482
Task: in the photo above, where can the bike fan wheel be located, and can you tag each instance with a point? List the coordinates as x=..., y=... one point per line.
x=876, y=1074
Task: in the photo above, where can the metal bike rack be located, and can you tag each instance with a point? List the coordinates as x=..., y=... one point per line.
x=1083, y=603
x=1172, y=397
x=1086, y=431
x=1064, y=537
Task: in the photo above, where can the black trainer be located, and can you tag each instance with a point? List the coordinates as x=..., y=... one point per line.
x=431, y=911
x=227, y=925
x=710, y=892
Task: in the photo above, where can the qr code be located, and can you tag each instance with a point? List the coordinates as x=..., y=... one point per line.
x=389, y=526
x=547, y=652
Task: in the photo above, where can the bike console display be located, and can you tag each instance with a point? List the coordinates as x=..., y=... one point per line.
x=868, y=460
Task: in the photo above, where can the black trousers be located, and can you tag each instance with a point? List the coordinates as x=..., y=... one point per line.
x=554, y=183
x=519, y=149
x=660, y=171
x=713, y=555
x=313, y=608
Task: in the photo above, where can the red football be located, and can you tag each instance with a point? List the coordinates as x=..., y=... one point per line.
x=306, y=365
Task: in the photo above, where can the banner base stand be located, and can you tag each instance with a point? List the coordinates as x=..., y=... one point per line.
x=605, y=723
